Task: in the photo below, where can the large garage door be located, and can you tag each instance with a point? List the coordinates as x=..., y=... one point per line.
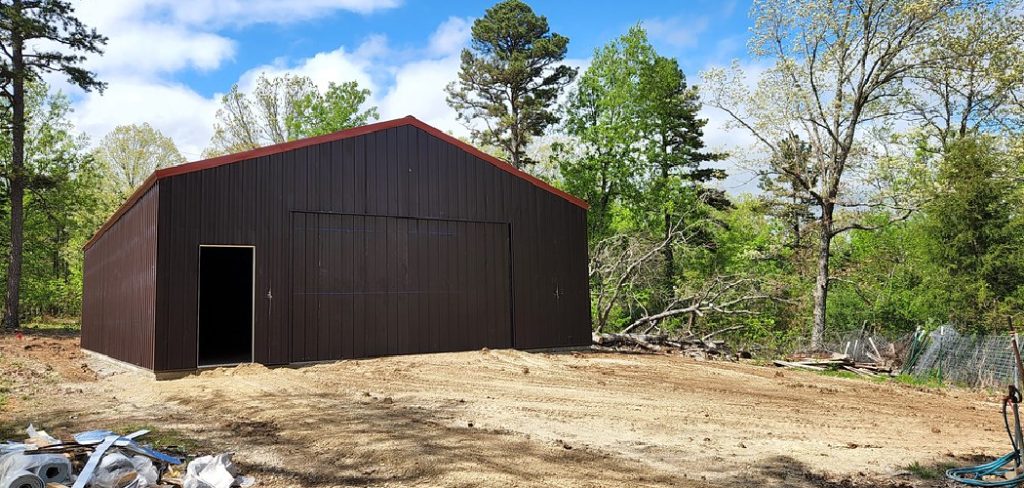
x=370, y=286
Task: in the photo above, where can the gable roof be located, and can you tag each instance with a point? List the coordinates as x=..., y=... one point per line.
x=334, y=136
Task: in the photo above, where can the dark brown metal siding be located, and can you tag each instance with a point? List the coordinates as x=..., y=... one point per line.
x=329, y=286
x=119, y=296
x=400, y=172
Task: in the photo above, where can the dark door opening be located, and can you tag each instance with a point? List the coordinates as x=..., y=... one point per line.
x=225, y=305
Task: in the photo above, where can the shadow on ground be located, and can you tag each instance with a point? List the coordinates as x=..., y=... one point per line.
x=336, y=440
x=332, y=440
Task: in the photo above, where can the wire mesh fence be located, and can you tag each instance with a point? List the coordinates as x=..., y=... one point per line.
x=984, y=361
x=944, y=354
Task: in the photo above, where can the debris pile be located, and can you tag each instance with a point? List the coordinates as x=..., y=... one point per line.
x=836, y=362
x=103, y=459
x=691, y=345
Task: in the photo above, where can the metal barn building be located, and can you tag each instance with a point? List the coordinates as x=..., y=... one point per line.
x=391, y=238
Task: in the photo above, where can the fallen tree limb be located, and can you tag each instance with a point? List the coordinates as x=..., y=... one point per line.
x=691, y=345
x=708, y=337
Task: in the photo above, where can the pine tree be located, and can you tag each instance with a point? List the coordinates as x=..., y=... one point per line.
x=31, y=32
x=675, y=148
x=786, y=199
x=510, y=78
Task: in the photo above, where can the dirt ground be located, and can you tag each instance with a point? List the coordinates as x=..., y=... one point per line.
x=509, y=418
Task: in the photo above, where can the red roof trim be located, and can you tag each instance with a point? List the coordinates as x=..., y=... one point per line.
x=335, y=136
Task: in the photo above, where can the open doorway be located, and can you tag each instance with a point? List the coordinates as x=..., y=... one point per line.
x=225, y=304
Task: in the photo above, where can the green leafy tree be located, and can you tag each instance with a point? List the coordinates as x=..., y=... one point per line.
x=129, y=153
x=676, y=156
x=510, y=78
x=335, y=109
x=885, y=282
x=976, y=231
x=286, y=108
x=601, y=162
x=641, y=142
x=64, y=201
x=636, y=153
x=36, y=36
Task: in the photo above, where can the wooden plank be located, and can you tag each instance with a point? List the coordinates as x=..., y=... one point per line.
x=797, y=365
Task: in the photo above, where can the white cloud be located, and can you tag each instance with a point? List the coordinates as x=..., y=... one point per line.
x=374, y=46
x=132, y=50
x=451, y=36
x=418, y=90
x=153, y=37
x=676, y=32
x=175, y=110
x=221, y=12
x=399, y=87
x=403, y=82
x=338, y=66
x=151, y=40
x=242, y=12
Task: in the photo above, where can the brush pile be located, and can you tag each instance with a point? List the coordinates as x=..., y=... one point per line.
x=689, y=345
x=836, y=362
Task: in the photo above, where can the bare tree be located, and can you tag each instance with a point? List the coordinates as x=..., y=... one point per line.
x=981, y=77
x=623, y=264
x=285, y=108
x=723, y=295
x=839, y=68
x=620, y=263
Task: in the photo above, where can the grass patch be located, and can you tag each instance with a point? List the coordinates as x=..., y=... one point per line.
x=54, y=325
x=932, y=380
x=933, y=472
x=165, y=440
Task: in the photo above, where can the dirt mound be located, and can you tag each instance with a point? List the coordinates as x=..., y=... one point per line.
x=232, y=371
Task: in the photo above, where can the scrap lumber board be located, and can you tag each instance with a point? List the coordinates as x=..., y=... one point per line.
x=798, y=365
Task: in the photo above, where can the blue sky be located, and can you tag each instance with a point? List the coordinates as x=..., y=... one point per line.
x=168, y=61
x=697, y=32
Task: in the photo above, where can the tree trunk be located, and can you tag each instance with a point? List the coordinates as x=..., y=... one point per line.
x=670, y=260
x=16, y=181
x=821, y=284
